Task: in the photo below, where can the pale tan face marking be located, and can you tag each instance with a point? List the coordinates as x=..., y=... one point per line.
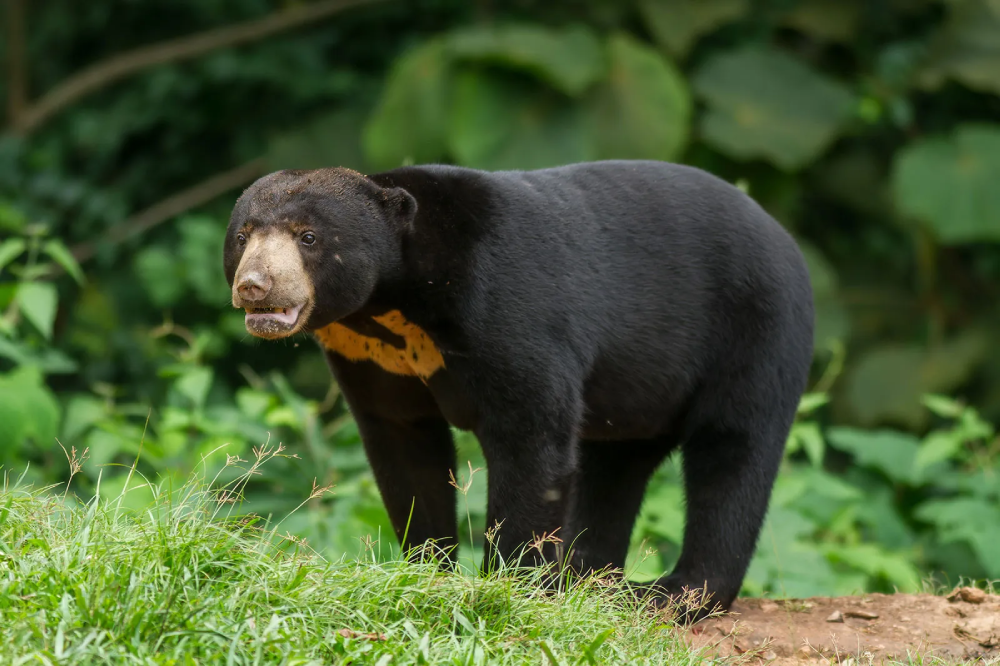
x=274, y=254
x=420, y=358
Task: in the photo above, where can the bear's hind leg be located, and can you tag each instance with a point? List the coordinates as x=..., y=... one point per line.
x=607, y=494
x=728, y=476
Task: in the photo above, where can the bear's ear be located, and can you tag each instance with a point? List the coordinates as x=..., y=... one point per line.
x=400, y=206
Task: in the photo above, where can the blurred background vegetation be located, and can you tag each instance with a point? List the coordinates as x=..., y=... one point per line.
x=868, y=127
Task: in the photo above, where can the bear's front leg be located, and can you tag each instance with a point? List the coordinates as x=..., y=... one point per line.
x=412, y=463
x=530, y=451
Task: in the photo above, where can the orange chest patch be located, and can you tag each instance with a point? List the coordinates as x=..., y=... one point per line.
x=419, y=358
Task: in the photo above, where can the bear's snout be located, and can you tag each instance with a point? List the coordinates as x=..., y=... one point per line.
x=254, y=286
x=272, y=285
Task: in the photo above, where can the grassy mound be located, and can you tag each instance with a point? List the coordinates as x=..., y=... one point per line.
x=182, y=583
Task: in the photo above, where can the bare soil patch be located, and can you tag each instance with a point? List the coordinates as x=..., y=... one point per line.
x=962, y=627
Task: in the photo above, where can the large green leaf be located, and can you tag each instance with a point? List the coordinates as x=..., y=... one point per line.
x=950, y=184
x=785, y=565
x=643, y=110
x=59, y=253
x=102, y=447
x=11, y=249
x=569, y=59
x=677, y=24
x=763, y=103
x=410, y=121
x=499, y=123
x=967, y=49
x=82, y=412
x=888, y=381
x=938, y=446
x=28, y=410
x=971, y=520
x=874, y=560
x=333, y=139
x=892, y=453
x=194, y=385
x=37, y=302
x=882, y=519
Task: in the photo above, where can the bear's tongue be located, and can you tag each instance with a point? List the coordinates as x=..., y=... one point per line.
x=286, y=316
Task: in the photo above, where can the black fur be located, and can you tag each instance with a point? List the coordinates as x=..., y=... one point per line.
x=593, y=318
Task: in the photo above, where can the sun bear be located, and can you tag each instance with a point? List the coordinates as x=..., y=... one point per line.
x=583, y=321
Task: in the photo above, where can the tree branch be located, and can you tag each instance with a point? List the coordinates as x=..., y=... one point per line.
x=116, y=67
x=17, y=74
x=174, y=205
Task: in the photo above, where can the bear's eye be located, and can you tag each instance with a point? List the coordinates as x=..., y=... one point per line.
x=241, y=239
x=308, y=238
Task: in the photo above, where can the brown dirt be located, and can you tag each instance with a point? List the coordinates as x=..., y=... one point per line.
x=965, y=626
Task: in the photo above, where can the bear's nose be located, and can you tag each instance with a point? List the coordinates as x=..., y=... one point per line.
x=254, y=287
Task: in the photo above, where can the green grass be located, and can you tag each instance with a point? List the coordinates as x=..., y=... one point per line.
x=182, y=583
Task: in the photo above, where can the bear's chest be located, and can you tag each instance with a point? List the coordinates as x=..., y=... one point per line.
x=388, y=340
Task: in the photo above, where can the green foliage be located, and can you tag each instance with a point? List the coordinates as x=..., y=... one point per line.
x=966, y=49
x=28, y=411
x=949, y=183
x=504, y=124
x=192, y=268
x=11, y=249
x=881, y=524
x=332, y=138
x=764, y=103
x=410, y=123
x=37, y=303
x=888, y=382
x=569, y=60
x=644, y=108
x=517, y=96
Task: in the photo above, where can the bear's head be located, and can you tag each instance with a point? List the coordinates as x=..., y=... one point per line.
x=306, y=248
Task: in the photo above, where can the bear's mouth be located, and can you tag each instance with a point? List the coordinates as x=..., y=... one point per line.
x=272, y=322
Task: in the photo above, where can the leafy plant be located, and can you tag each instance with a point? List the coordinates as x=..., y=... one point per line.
x=28, y=303
x=764, y=103
x=521, y=96
x=945, y=182
x=880, y=525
